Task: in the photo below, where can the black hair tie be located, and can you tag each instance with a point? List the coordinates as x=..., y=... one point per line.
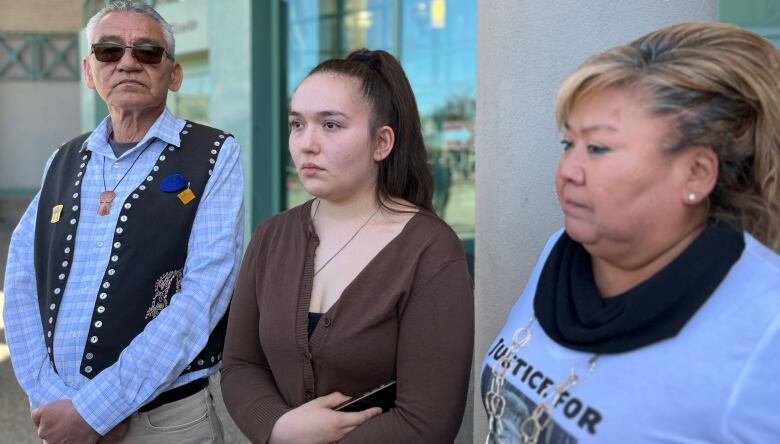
x=367, y=58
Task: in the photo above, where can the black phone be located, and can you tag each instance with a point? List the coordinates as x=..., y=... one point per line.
x=382, y=396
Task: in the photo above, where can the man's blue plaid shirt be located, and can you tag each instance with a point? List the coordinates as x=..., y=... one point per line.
x=154, y=360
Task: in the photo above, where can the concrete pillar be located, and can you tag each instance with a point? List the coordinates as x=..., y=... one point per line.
x=525, y=50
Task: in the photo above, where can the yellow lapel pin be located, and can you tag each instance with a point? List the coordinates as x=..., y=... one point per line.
x=56, y=212
x=187, y=195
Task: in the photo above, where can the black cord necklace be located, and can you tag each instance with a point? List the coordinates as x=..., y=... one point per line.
x=107, y=197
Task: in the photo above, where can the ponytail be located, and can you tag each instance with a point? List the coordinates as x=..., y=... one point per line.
x=405, y=172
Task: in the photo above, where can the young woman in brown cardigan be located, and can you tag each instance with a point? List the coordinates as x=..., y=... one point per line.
x=360, y=286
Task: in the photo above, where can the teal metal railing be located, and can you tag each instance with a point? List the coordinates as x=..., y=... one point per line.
x=28, y=56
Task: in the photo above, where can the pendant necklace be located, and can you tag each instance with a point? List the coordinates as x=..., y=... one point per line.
x=540, y=418
x=106, y=196
x=350, y=239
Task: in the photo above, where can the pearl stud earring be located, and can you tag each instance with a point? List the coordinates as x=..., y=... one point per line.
x=691, y=197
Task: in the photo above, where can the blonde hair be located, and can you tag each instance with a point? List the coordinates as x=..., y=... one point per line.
x=721, y=86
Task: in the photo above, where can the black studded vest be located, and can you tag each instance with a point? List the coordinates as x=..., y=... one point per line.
x=145, y=269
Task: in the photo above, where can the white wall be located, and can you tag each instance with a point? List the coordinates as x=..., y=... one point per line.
x=36, y=117
x=525, y=49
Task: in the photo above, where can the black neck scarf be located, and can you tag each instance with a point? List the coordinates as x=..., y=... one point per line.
x=572, y=312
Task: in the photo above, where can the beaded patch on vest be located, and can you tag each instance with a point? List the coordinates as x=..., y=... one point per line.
x=161, y=291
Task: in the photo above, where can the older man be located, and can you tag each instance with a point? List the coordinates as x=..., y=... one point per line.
x=121, y=270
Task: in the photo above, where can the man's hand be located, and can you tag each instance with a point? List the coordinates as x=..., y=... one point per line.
x=317, y=423
x=59, y=423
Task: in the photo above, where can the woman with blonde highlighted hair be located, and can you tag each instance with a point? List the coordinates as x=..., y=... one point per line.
x=654, y=316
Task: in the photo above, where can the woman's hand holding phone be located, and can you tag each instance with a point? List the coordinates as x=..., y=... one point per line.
x=317, y=423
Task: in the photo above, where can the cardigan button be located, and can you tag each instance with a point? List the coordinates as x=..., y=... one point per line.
x=308, y=356
x=326, y=322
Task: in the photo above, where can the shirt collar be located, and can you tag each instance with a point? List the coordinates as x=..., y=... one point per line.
x=167, y=128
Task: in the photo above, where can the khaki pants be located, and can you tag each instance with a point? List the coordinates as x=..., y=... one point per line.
x=189, y=420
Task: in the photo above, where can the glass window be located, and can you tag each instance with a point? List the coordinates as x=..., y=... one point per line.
x=760, y=16
x=435, y=40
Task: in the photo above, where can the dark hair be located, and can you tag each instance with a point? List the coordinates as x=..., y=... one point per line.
x=404, y=173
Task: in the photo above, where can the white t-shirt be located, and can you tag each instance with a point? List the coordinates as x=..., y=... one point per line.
x=717, y=381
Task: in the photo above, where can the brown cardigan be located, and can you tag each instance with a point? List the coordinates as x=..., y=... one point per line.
x=409, y=316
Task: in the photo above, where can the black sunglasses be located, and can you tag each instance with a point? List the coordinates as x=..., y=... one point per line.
x=113, y=52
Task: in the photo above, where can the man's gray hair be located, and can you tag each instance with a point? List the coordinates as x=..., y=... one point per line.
x=132, y=7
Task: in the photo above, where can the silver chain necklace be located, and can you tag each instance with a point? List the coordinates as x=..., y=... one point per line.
x=541, y=417
x=348, y=241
